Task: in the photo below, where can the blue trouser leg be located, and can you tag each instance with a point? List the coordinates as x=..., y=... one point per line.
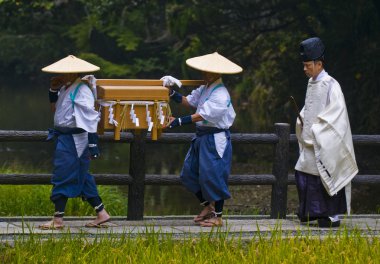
x=204, y=170
x=190, y=169
x=70, y=176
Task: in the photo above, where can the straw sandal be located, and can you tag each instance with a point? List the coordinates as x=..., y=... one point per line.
x=206, y=213
x=50, y=226
x=102, y=224
x=211, y=222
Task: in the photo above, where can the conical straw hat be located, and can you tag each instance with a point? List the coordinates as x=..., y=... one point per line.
x=215, y=63
x=71, y=64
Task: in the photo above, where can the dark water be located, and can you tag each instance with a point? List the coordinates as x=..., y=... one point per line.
x=25, y=107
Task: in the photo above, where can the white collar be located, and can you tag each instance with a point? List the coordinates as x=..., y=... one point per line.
x=322, y=74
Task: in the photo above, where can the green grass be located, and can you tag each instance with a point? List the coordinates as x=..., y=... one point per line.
x=155, y=247
x=27, y=200
x=214, y=247
x=34, y=200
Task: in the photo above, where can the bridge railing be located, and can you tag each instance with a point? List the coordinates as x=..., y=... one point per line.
x=137, y=178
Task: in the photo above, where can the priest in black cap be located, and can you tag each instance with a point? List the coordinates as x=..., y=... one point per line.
x=326, y=164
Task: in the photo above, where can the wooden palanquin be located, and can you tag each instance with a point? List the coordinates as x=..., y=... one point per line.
x=135, y=104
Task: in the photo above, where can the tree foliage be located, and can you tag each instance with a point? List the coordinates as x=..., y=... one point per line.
x=147, y=39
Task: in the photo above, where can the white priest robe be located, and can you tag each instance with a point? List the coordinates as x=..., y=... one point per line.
x=326, y=147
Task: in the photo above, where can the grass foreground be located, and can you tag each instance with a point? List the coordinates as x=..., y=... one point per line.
x=213, y=247
x=24, y=200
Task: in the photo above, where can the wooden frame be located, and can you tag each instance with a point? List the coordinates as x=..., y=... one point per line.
x=140, y=90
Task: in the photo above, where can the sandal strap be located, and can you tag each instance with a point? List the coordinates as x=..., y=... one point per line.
x=217, y=214
x=205, y=203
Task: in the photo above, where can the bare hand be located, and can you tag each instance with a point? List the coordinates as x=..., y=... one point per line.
x=171, y=119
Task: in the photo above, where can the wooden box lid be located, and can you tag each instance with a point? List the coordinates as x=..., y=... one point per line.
x=136, y=89
x=131, y=93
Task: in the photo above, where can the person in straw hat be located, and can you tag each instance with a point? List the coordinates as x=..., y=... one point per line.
x=208, y=162
x=75, y=126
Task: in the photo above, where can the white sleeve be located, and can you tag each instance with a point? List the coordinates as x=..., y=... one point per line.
x=299, y=128
x=86, y=116
x=193, y=97
x=333, y=146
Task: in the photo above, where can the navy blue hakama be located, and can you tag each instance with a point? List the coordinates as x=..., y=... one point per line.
x=70, y=176
x=314, y=201
x=204, y=170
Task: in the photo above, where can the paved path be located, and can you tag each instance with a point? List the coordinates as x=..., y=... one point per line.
x=246, y=227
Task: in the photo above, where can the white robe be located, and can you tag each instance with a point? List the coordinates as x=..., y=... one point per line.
x=81, y=114
x=216, y=109
x=331, y=141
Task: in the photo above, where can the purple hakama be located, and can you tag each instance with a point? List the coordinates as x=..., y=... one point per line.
x=314, y=200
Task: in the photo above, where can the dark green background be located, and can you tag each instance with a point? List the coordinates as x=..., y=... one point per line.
x=149, y=39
